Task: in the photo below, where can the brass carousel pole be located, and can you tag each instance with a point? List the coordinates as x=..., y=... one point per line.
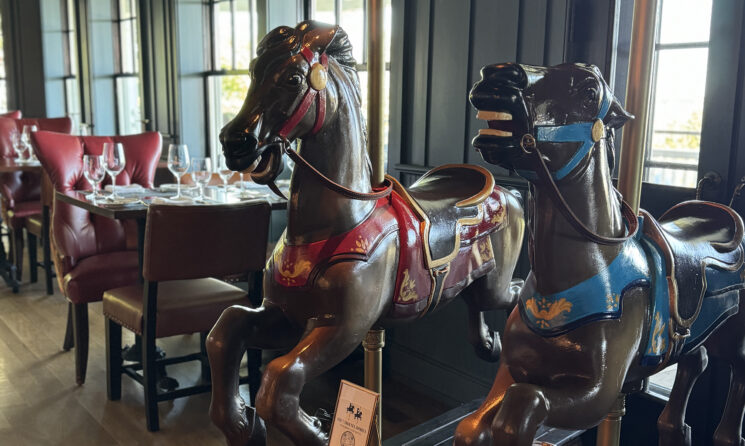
x=631, y=162
x=375, y=339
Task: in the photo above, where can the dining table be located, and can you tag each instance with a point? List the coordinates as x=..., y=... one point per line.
x=8, y=269
x=134, y=203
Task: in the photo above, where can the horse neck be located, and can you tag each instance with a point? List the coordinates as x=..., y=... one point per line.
x=560, y=256
x=339, y=152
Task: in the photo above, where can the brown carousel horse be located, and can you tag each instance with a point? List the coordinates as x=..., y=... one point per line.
x=611, y=298
x=351, y=257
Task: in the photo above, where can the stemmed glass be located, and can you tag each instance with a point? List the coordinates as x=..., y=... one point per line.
x=223, y=170
x=201, y=172
x=178, y=163
x=93, y=171
x=113, y=159
x=18, y=146
x=26, y=139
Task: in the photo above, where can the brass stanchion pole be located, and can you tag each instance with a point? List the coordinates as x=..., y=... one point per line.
x=375, y=339
x=631, y=163
x=373, y=344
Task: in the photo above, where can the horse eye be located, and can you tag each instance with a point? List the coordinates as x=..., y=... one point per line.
x=295, y=80
x=590, y=97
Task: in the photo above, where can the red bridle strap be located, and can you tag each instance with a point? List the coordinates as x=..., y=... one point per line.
x=310, y=96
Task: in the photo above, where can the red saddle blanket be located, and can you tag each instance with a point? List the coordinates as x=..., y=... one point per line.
x=419, y=288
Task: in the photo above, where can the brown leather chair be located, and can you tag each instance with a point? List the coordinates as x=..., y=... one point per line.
x=37, y=228
x=15, y=114
x=185, y=248
x=95, y=253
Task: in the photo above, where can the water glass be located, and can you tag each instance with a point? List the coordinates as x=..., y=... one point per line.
x=201, y=173
x=223, y=170
x=113, y=162
x=93, y=171
x=26, y=140
x=178, y=163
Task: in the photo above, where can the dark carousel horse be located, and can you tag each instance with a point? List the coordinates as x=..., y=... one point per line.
x=351, y=257
x=611, y=299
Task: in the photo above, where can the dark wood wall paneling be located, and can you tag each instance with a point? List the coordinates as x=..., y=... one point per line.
x=444, y=44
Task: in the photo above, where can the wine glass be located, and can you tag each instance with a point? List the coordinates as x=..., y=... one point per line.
x=18, y=146
x=201, y=172
x=93, y=171
x=113, y=162
x=223, y=170
x=26, y=139
x=178, y=163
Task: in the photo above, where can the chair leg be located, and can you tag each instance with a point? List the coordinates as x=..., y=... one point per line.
x=32, y=259
x=204, y=360
x=113, y=360
x=253, y=365
x=150, y=375
x=69, y=341
x=18, y=252
x=80, y=323
x=48, y=266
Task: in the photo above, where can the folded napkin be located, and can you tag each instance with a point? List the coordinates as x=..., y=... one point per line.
x=134, y=187
x=183, y=201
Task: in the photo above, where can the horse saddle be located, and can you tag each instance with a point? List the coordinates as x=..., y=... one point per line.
x=449, y=199
x=700, y=243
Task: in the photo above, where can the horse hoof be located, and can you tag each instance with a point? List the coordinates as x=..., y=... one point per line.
x=490, y=348
x=676, y=437
x=240, y=425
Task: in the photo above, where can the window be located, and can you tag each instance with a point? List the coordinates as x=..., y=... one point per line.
x=128, y=101
x=70, y=55
x=351, y=15
x=3, y=83
x=678, y=82
x=234, y=29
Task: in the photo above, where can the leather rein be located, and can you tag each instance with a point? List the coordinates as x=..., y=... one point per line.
x=317, y=79
x=588, y=134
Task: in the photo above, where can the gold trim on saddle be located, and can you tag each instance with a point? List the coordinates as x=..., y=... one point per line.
x=475, y=200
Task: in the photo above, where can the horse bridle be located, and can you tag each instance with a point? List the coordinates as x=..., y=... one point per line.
x=587, y=133
x=316, y=92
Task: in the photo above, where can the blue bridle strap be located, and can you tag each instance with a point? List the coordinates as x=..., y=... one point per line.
x=577, y=132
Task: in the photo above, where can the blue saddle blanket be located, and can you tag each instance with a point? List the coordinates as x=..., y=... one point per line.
x=640, y=263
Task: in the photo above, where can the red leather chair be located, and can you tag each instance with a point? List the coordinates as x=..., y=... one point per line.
x=93, y=252
x=20, y=192
x=15, y=114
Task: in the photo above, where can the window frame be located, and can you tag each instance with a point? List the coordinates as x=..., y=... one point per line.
x=4, y=72
x=120, y=74
x=214, y=70
x=658, y=48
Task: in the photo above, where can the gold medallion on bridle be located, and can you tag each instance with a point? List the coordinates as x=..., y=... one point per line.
x=318, y=77
x=598, y=130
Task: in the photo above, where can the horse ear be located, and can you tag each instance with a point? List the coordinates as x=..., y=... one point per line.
x=617, y=116
x=316, y=35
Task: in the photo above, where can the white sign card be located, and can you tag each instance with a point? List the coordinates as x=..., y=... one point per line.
x=356, y=408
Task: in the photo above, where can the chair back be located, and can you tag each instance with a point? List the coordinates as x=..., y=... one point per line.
x=15, y=114
x=17, y=187
x=193, y=242
x=77, y=233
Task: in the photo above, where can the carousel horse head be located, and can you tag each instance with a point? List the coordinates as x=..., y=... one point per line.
x=293, y=93
x=564, y=110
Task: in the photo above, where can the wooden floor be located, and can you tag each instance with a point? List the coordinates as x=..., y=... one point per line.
x=40, y=404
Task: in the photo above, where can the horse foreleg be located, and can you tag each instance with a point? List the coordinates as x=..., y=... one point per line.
x=278, y=401
x=673, y=430
x=485, y=341
x=475, y=429
x=523, y=410
x=238, y=329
